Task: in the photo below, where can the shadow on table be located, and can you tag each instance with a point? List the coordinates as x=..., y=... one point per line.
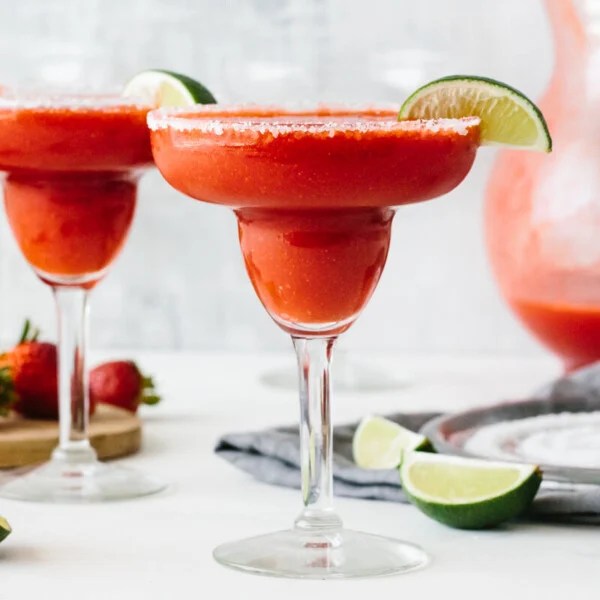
x=15, y=552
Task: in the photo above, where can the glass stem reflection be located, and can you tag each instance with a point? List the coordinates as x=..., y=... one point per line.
x=72, y=308
x=316, y=443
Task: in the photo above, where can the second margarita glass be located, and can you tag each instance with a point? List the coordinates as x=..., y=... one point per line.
x=71, y=164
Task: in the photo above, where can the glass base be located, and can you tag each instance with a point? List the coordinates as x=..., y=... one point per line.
x=78, y=480
x=305, y=555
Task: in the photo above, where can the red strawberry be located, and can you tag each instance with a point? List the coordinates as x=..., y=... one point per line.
x=121, y=384
x=28, y=372
x=33, y=371
x=30, y=369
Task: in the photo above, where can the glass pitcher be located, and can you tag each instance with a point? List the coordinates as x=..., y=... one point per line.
x=543, y=212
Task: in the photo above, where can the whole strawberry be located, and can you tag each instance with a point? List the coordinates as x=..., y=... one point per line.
x=28, y=376
x=121, y=384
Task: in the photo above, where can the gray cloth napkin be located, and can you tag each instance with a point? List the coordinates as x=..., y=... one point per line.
x=273, y=456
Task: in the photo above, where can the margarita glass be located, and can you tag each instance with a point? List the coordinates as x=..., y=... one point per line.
x=71, y=167
x=313, y=191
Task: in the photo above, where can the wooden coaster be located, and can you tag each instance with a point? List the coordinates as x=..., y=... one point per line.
x=114, y=432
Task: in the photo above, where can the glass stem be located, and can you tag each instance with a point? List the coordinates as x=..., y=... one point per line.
x=316, y=443
x=74, y=445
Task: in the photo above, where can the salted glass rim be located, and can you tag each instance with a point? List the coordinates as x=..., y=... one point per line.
x=297, y=118
x=68, y=98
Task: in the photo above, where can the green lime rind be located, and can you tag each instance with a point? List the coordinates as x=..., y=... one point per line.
x=200, y=93
x=508, y=117
x=167, y=88
x=425, y=446
x=380, y=443
x=476, y=513
x=5, y=529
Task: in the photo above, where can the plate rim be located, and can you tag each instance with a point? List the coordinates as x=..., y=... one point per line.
x=438, y=430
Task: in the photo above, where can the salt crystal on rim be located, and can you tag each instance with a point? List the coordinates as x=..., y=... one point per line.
x=69, y=101
x=220, y=119
x=330, y=127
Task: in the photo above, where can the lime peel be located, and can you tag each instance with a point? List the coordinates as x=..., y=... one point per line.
x=468, y=493
x=379, y=443
x=508, y=117
x=167, y=88
x=5, y=528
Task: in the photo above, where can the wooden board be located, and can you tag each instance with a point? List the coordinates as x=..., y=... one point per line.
x=113, y=432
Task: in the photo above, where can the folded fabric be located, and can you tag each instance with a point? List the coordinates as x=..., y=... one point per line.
x=273, y=456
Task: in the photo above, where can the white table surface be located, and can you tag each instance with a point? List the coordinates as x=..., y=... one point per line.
x=160, y=547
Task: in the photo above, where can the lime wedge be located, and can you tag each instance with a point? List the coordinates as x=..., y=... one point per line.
x=468, y=493
x=166, y=88
x=5, y=528
x=508, y=117
x=379, y=443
